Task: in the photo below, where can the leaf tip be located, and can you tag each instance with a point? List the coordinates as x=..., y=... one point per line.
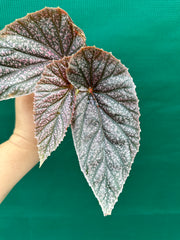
x=41, y=163
x=107, y=209
x=107, y=213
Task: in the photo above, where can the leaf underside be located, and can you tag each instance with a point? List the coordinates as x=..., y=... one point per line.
x=30, y=43
x=105, y=123
x=53, y=107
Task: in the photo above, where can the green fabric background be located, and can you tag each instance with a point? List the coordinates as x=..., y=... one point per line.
x=55, y=202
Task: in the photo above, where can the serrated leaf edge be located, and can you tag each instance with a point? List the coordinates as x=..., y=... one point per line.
x=34, y=108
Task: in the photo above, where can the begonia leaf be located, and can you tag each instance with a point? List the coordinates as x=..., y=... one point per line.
x=53, y=107
x=30, y=43
x=105, y=123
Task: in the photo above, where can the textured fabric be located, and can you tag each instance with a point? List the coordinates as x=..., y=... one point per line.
x=55, y=202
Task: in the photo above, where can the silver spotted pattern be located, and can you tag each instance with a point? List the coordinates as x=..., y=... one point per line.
x=53, y=107
x=105, y=125
x=30, y=43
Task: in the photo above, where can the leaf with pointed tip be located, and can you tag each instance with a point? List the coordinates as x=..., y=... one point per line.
x=29, y=43
x=105, y=125
x=53, y=107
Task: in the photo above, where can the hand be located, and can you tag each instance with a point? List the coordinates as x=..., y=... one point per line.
x=24, y=126
x=19, y=154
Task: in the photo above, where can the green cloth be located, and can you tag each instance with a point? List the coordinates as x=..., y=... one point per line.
x=55, y=201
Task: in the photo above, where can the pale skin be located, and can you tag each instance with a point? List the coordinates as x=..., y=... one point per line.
x=19, y=154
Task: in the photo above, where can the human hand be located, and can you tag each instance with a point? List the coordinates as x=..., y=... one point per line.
x=24, y=125
x=19, y=154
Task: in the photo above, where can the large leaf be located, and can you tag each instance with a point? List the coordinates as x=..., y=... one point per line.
x=29, y=43
x=53, y=107
x=105, y=125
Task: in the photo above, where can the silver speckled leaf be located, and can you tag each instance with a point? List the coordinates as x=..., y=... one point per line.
x=53, y=107
x=29, y=43
x=105, y=125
